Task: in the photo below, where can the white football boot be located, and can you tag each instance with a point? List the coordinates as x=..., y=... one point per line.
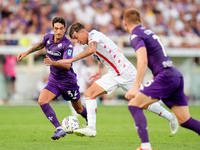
x=174, y=124
x=86, y=132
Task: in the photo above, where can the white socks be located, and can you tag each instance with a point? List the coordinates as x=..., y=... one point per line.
x=146, y=146
x=91, y=106
x=161, y=111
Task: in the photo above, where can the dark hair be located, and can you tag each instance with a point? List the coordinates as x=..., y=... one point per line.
x=75, y=27
x=60, y=20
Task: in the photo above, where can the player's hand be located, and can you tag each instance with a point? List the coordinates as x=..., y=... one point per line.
x=131, y=94
x=95, y=76
x=65, y=61
x=48, y=61
x=21, y=55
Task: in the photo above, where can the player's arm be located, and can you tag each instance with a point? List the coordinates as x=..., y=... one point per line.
x=142, y=61
x=37, y=47
x=97, y=74
x=87, y=52
x=50, y=62
x=100, y=66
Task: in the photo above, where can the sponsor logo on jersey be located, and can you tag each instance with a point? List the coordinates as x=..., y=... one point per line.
x=133, y=36
x=148, y=32
x=167, y=63
x=53, y=53
x=59, y=45
x=69, y=52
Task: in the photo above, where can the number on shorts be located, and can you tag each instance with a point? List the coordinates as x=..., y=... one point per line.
x=149, y=83
x=72, y=93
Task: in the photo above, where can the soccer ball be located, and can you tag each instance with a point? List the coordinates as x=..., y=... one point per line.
x=69, y=124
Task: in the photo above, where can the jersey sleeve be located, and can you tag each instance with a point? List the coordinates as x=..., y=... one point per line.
x=93, y=37
x=137, y=42
x=68, y=52
x=45, y=39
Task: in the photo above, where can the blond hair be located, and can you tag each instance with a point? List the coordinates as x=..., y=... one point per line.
x=132, y=16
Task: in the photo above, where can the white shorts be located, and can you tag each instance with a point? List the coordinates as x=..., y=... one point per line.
x=110, y=82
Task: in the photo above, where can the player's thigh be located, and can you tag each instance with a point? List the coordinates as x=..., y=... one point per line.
x=108, y=82
x=46, y=96
x=181, y=112
x=141, y=100
x=94, y=91
x=126, y=79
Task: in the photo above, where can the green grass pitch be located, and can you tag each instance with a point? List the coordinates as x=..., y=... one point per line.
x=27, y=128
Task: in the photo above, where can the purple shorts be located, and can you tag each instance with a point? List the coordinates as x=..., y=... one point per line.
x=170, y=89
x=67, y=94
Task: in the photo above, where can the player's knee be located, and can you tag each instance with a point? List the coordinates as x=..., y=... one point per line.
x=88, y=94
x=41, y=101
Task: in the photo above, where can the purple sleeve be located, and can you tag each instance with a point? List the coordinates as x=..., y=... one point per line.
x=137, y=42
x=45, y=39
x=68, y=53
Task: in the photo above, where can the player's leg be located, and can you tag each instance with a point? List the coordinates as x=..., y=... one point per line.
x=45, y=97
x=178, y=104
x=161, y=111
x=79, y=108
x=135, y=107
x=127, y=80
x=91, y=104
x=73, y=111
x=104, y=85
x=184, y=118
x=74, y=96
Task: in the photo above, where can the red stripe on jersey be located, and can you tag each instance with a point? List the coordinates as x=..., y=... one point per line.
x=106, y=59
x=88, y=98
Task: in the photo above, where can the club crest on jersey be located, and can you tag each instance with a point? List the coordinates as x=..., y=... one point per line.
x=133, y=36
x=69, y=52
x=91, y=35
x=59, y=45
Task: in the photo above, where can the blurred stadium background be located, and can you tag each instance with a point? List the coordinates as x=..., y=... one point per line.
x=24, y=22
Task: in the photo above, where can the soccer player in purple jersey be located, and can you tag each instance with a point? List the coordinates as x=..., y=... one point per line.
x=167, y=83
x=62, y=79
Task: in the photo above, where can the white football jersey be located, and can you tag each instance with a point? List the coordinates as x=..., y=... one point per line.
x=108, y=53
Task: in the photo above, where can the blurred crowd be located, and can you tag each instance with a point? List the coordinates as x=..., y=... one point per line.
x=169, y=18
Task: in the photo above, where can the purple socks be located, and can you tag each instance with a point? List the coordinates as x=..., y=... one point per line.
x=192, y=124
x=140, y=122
x=50, y=114
x=84, y=113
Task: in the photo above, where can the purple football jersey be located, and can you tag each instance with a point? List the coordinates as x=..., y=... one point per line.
x=56, y=51
x=157, y=57
x=162, y=68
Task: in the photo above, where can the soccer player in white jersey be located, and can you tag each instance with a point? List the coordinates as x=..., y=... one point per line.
x=121, y=74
